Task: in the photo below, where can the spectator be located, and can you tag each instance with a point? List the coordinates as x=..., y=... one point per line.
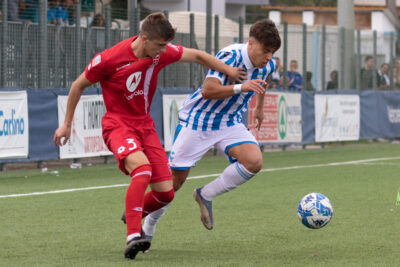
x=71, y=11
x=309, y=85
x=366, y=73
x=273, y=85
x=29, y=11
x=98, y=21
x=276, y=75
x=295, y=80
x=396, y=74
x=383, y=77
x=333, y=83
x=13, y=10
x=63, y=12
x=53, y=11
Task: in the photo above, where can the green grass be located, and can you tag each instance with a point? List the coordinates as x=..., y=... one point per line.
x=255, y=225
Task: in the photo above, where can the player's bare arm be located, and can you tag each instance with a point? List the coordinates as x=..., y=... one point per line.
x=258, y=114
x=206, y=60
x=64, y=131
x=213, y=89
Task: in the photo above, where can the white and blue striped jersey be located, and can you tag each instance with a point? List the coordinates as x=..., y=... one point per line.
x=214, y=114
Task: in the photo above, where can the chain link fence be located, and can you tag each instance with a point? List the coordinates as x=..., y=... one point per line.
x=30, y=58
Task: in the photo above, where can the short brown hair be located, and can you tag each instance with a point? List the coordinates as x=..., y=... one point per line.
x=265, y=32
x=156, y=25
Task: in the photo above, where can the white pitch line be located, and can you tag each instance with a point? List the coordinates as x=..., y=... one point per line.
x=205, y=176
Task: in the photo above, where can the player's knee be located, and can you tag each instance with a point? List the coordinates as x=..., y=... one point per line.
x=164, y=197
x=254, y=164
x=178, y=184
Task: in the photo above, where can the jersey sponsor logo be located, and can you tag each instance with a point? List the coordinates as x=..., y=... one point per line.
x=156, y=59
x=133, y=81
x=96, y=60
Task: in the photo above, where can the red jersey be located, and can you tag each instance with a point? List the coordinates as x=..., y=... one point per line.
x=129, y=83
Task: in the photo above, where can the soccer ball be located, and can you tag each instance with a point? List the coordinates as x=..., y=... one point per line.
x=315, y=210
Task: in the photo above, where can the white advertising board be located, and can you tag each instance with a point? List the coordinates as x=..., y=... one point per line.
x=86, y=136
x=14, y=125
x=282, y=118
x=337, y=117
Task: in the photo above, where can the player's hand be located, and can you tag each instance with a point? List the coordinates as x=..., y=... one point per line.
x=258, y=116
x=254, y=85
x=62, y=132
x=237, y=75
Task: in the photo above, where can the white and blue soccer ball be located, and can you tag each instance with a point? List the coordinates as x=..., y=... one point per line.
x=315, y=210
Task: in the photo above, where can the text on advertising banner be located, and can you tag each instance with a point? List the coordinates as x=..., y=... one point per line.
x=14, y=125
x=86, y=135
x=282, y=118
x=337, y=117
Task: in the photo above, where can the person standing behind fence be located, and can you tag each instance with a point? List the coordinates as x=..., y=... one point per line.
x=366, y=73
x=128, y=73
x=333, y=83
x=383, y=81
x=295, y=80
x=276, y=75
x=29, y=11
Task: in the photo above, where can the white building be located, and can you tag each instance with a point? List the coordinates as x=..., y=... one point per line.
x=232, y=9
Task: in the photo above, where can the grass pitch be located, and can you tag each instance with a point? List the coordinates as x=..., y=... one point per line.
x=255, y=225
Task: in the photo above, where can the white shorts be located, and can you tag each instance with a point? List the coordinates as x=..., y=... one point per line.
x=190, y=145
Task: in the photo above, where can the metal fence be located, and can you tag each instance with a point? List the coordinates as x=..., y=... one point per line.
x=38, y=55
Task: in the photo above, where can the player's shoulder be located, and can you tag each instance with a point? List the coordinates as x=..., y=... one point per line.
x=232, y=51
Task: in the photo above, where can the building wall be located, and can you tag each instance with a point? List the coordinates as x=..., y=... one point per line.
x=233, y=12
x=218, y=7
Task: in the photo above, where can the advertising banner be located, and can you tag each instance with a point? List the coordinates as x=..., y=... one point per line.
x=14, y=125
x=171, y=105
x=282, y=118
x=337, y=117
x=86, y=137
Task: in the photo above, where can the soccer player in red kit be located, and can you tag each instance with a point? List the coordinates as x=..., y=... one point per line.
x=128, y=73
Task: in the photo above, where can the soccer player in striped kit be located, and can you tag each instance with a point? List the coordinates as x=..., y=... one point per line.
x=212, y=117
x=128, y=73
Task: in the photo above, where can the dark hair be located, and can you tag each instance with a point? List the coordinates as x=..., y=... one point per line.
x=383, y=64
x=265, y=32
x=98, y=20
x=368, y=58
x=156, y=25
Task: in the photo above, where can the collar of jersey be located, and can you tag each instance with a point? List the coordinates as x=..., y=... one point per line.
x=246, y=59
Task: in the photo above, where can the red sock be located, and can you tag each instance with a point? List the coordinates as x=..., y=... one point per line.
x=155, y=200
x=134, y=199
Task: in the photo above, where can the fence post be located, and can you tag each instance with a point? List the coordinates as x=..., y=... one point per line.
x=240, y=30
x=132, y=5
x=43, y=44
x=323, y=55
x=304, y=57
x=191, y=82
x=208, y=26
x=285, y=54
x=4, y=45
x=341, y=57
x=391, y=62
x=358, y=61
x=108, y=26
x=137, y=21
x=374, y=81
x=78, y=39
x=216, y=34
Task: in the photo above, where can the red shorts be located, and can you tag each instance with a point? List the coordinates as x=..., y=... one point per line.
x=125, y=135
